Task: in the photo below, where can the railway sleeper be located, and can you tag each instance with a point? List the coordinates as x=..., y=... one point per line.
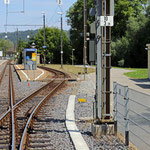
x=28, y=113
x=5, y=147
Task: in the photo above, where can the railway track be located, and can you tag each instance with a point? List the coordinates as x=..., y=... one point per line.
x=17, y=122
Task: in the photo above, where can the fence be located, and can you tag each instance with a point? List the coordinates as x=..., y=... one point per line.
x=132, y=115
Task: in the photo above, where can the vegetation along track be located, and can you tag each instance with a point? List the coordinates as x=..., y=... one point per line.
x=16, y=123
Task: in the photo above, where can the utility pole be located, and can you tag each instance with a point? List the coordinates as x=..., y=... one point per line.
x=61, y=41
x=6, y=18
x=44, y=47
x=85, y=40
x=103, y=23
x=17, y=44
x=73, y=57
x=98, y=41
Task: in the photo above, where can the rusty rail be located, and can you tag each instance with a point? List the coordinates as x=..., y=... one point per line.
x=24, y=100
x=24, y=136
x=35, y=111
x=12, y=101
x=13, y=107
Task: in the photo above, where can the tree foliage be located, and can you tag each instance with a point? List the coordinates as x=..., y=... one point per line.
x=124, y=9
x=53, y=42
x=75, y=20
x=130, y=33
x=5, y=44
x=131, y=47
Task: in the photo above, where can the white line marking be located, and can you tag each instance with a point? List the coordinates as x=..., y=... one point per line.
x=74, y=132
x=40, y=74
x=23, y=73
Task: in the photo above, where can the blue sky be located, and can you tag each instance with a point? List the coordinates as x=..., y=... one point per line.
x=33, y=13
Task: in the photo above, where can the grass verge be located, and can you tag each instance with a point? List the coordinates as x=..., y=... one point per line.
x=69, y=68
x=137, y=73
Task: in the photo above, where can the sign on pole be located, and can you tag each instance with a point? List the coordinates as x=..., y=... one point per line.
x=33, y=56
x=59, y=2
x=1, y=53
x=106, y=21
x=7, y=2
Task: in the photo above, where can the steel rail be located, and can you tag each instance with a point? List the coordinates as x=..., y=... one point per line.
x=24, y=136
x=24, y=100
x=5, y=115
x=11, y=89
x=13, y=107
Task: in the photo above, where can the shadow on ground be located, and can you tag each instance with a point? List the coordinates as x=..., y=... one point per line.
x=143, y=83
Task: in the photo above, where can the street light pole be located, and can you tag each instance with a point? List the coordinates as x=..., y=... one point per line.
x=85, y=36
x=44, y=36
x=17, y=45
x=61, y=45
x=73, y=57
x=61, y=41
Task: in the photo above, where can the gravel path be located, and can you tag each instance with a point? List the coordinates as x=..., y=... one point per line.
x=85, y=110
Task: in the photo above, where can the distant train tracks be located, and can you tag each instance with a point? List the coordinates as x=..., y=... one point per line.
x=17, y=121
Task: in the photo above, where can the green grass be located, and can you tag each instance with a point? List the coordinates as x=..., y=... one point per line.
x=71, y=69
x=137, y=73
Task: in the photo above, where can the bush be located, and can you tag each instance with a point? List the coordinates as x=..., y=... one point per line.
x=121, y=63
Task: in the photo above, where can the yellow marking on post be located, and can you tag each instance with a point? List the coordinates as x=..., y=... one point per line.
x=33, y=56
x=83, y=100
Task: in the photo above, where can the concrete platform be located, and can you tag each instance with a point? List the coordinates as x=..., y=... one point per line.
x=31, y=75
x=77, y=139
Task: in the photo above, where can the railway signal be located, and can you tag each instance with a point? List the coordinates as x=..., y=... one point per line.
x=7, y=2
x=103, y=22
x=59, y=2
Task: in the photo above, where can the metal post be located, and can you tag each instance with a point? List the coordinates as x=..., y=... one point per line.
x=61, y=41
x=99, y=60
x=33, y=75
x=17, y=45
x=72, y=57
x=6, y=17
x=115, y=106
x=126, y=115
x=85, y=36
x=44, y=36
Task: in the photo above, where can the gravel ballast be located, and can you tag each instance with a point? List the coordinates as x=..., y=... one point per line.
x=23, y=89
x=85, y=111
x=50, y=125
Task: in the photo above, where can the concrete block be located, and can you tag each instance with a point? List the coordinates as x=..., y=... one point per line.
x=102, y=129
